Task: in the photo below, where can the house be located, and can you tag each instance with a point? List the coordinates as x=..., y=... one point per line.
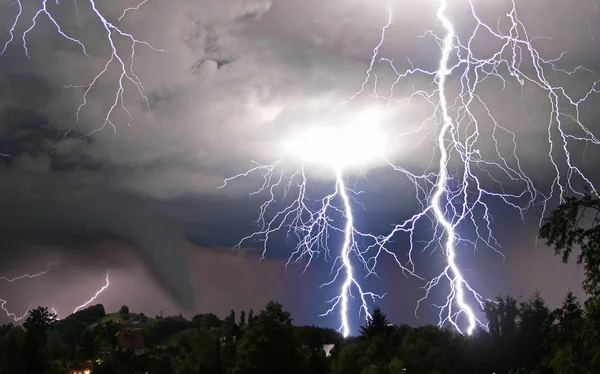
x=327, y=348
x=84, y=367
x=132, y=339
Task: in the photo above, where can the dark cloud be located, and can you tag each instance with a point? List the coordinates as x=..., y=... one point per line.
x=58, y=205
x=223, y=279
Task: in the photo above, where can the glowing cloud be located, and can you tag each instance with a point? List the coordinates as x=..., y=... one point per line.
x=347, y=145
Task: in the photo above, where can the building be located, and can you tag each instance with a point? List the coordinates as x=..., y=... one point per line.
x=84, y=367
x=132, y=339
x=327, y=348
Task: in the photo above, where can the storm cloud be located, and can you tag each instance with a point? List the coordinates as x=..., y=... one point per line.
x=234, y=79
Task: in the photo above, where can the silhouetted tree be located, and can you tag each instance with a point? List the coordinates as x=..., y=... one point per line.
x=200, y=353
x=242, y=318
x=35, y=357
x=4, y=329
x=377, y=324
x=39, y=317
x=124, y=311
x=574, y=223
x=532, y=335
x=271, y=345
x=250, y=317
x=206, y=321
x=11, y=351
x=564, y=338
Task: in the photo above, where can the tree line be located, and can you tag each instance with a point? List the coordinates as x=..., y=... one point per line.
x=522, y=337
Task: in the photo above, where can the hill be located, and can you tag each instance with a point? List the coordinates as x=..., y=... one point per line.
x=134, y=319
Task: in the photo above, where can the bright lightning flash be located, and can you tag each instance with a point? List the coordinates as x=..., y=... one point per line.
x=454, y=196
x=470, y=169
x=91, y=300
x=336, y=148
x=114, y=34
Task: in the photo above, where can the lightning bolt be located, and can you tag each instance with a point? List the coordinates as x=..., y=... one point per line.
x=10, y=314
x=91, y=300
x=30, y=276
x=3, y=302
x=53, y=310
x=17, y=318
x=311, y=226
x=114, y=34
x=452, y=271
x=453, y=198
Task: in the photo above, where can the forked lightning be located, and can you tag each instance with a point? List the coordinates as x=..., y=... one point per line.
x=122, y=59
x=451, y=196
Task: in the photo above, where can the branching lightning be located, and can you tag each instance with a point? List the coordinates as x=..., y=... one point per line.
x=125, y=65
x=466, y=173
x=311, y=224
x=15, y=317
x=3, y=302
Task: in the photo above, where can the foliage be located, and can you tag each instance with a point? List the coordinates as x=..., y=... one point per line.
x=575, y=223
x=561, y=341
x=124, y=311
x=206, y=321
x=39, y=318
x=377, y=324
x=11, y=347
x=271, y=345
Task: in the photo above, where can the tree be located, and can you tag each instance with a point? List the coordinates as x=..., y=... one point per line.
x=533, y=316
x=250, y=317
x=71, y=330
x=427, y=350
x=166, y=327
x=206, y=321
x=502, y=316
x=105, y=333
x=4, y=329
x=242, y=319
x=396, y=366
x=88, y=345
x=271, y=345
x=569, y=226
x=89, y=315
x=124, y=311
x=377, y=324
x=35, y=355
x=39, y=317
x=200, y=353
x=575, y=223
x=11, y=351
x=350, y=360
x=565, y=337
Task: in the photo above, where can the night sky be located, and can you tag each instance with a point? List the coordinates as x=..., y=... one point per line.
x=234, y=79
